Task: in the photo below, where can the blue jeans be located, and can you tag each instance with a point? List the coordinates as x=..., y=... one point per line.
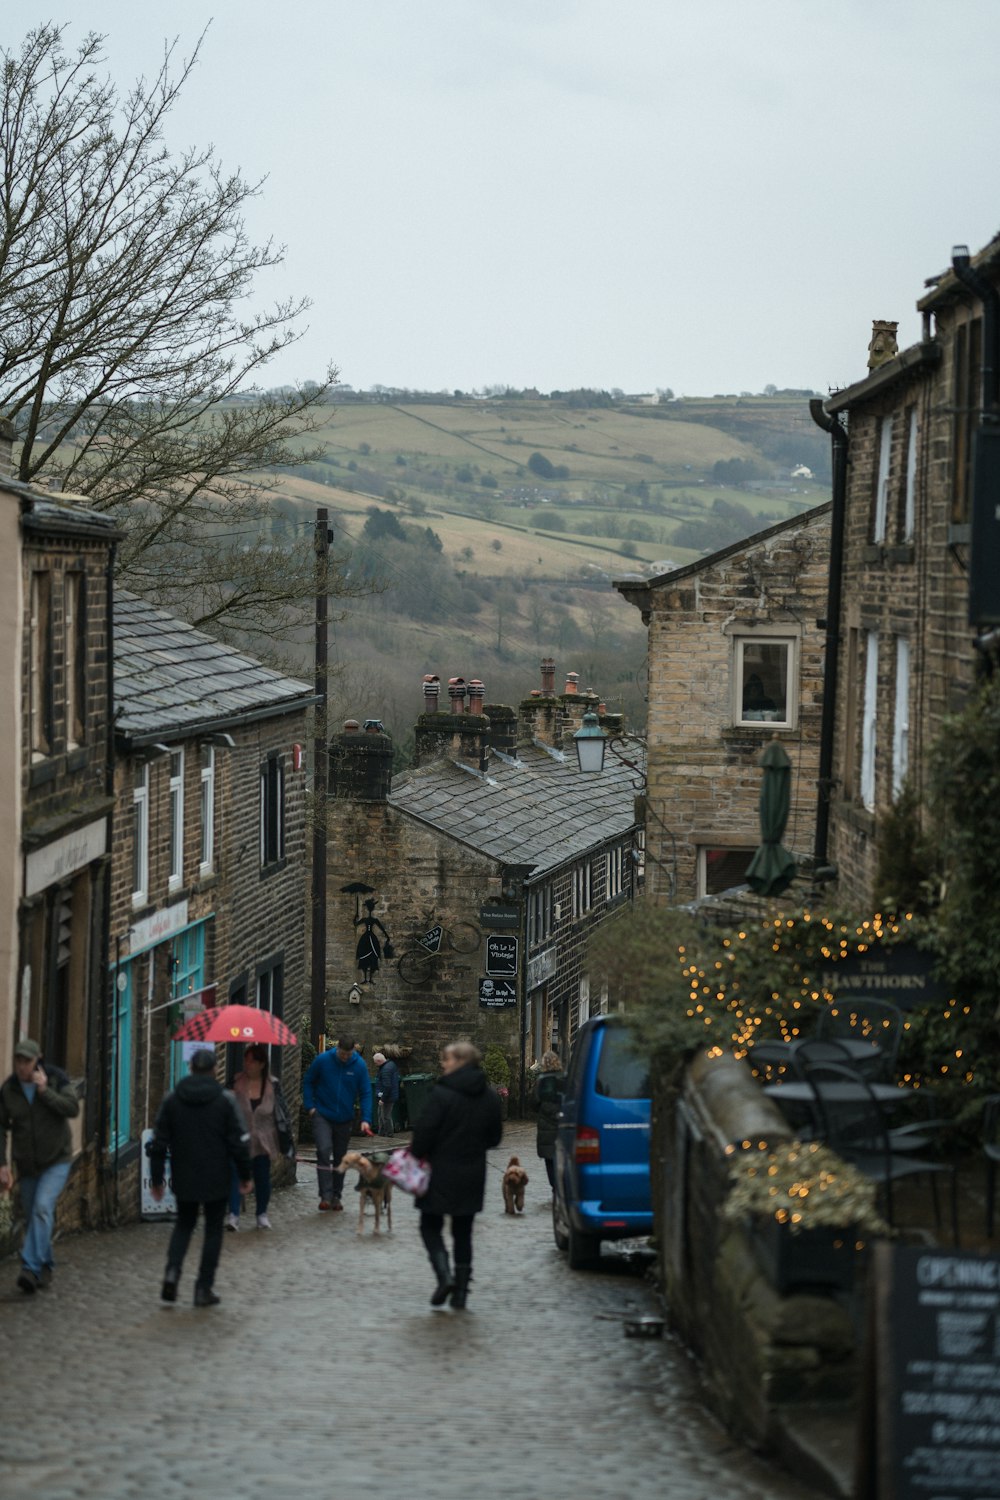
x=261, y=1169
x=38, y=1199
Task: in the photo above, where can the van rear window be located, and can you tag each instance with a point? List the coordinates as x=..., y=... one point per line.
x=622, y=1072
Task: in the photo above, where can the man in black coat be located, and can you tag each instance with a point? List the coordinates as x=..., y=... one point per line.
x=200, y=1126
x=460, y=1122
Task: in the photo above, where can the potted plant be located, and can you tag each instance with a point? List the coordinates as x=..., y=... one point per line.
x=805, y=1208
x=497, y=1070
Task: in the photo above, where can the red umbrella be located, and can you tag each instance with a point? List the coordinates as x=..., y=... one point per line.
x=236, y=1023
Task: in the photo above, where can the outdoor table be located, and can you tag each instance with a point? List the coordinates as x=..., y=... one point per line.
x=843, y=1093
x=857, y=1049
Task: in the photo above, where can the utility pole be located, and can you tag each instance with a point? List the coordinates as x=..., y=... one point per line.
x=317, y=1004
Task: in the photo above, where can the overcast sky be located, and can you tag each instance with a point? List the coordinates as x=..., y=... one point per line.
x=710, y=195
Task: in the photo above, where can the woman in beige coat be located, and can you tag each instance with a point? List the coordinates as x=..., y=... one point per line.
x=255, y=1096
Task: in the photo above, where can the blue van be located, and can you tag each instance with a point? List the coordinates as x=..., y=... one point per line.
x=602, y=1189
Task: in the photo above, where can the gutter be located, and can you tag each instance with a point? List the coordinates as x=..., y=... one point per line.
x=838, y=434
x=127, y=741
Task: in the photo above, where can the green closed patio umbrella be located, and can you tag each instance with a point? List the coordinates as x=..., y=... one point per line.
x=772, y=868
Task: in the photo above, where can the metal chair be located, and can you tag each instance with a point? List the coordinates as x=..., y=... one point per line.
x=855, y=1128
x=864, y=1018
x=991, y=1149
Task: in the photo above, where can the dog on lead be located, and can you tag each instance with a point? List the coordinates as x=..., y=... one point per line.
x=373, y=1188
x=515, y=1180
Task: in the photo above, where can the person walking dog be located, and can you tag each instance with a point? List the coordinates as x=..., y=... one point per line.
x=334, y=1082
x=200, y=1125
x=460, y=1122
x=37, y=1103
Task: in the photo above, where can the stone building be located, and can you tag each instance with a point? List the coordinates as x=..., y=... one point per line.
x=479, y=874
x=904, y=621
x=735, y=658
x=56, y=558
x=209, y=889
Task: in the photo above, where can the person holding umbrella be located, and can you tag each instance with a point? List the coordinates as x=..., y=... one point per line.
x=199, y=1126
x=256, y=1095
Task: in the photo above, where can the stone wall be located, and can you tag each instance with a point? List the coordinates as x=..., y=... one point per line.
x=757, y=1349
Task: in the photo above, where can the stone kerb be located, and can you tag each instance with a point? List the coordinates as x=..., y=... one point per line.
x=758, y=1350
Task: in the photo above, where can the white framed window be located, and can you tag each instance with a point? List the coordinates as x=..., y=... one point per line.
x=176, y=818
x=539, y=915
x=882, y=482
x=75, y=653
x=614, y=879
x=583, y=1001
x=40, y=665
x=206, y=858
x=909, y=498
x=140, y=836
x=868, y=720
x=581, y=890
x=901, y=717
x=272, y=810
x=764, y=673
x=721, y=868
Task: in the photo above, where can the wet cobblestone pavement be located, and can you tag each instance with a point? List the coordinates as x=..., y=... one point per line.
x=325, y=1373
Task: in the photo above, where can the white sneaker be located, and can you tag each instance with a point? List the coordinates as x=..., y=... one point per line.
x=263, y=1222
x=232, y=1221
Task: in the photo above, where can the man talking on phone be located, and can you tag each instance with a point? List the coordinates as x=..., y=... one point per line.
x=36, y=1106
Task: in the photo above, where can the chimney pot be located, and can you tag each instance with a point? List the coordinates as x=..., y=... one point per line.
x=432, y=687
x=351, y=726
x=456, y=692
x=548, y=676
x=572, y=678
x=477, y=692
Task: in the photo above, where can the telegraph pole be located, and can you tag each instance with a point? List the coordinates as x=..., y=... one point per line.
x=317, y=1003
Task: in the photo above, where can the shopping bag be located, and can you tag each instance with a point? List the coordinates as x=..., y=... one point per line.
x=409, y=1172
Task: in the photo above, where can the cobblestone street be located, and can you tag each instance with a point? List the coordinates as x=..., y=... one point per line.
x=325, y=1373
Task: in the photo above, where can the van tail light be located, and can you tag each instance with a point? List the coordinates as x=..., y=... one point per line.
x=588, y=1146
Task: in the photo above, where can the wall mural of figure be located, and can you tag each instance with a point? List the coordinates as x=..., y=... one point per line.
x=369, y=951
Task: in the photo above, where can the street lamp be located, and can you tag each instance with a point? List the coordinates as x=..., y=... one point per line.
x=590, y=741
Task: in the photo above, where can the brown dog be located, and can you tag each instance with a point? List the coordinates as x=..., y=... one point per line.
x=515, y=1180
x=375, y=1189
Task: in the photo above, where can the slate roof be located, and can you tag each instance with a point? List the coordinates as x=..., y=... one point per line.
x=171, y=679
x=536, y=811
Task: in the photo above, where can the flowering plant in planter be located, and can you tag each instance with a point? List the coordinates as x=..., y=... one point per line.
x=802, y=1184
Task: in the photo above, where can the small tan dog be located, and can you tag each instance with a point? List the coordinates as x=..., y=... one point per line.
x=515, y=1180
x=375, y=1189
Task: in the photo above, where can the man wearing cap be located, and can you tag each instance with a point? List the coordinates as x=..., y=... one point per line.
x=386, y=1091
x=334, y=1082
x=200, y=1126
x=37, y=1103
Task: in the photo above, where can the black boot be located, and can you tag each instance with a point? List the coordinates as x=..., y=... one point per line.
x=168, y=1291
x=463, y=1275
x=442, y=1270
x=205, y=1297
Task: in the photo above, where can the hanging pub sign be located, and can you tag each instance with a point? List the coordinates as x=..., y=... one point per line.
x=501, y=954
x=497, y=994
x=900, y=972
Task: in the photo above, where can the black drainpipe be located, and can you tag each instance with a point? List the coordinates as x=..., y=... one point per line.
x=838, y=436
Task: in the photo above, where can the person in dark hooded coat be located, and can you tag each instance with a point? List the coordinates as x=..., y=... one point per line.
x=460, y=1122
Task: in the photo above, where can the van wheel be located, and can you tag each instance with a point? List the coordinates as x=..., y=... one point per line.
x=560, y=1227
x=584, y=1250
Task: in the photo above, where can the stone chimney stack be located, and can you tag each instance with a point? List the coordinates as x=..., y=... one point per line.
x=361, y=762
x=883, y=346
x=503, y=728
x=458, y=734
x=6, y=447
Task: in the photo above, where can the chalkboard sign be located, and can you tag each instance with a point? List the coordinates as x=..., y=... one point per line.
x=501, y=954
x=497, y=994
x=937, y=1374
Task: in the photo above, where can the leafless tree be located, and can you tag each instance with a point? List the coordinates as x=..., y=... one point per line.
x=129, y=362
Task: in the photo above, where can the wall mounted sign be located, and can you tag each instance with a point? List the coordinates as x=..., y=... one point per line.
x=156, y=928
x=900, y=974
x=499, y=916
x=541, y=966
x=501, y=954
x=497, y=994
x=64, y=856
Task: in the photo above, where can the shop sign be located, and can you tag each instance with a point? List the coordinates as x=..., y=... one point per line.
x=501, y=954
x=499, y=916
x=158, y=927
x=148, y=1207
x=541, y=967
x=497, y=994
x=64, y=856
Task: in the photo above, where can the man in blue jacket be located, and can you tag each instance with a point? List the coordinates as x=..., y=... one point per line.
x=333, y=1082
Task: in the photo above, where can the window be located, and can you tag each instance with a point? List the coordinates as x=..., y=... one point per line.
x=901, y=717
x=583, y=1001
x=909, y=494
x=614, y=881
x=764, y=673
x=581, y=890
x=271, y=997
x=140, y=836
x=882, y=481
x=622, y=1070
x=272, y=811
x=176, y=818
x=968, y=353
x=206, y=858
x=539, y=914
x=868, y=720
x=75, y=633
x=721, y=869
x=40, y=667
